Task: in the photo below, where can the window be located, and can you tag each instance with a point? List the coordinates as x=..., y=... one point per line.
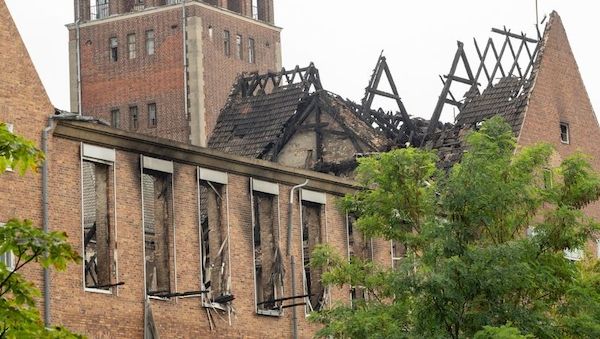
x=398, y=252
x=268, y=266
x=251, y=51
x=157, y=197
x=214, y=227
x=359, y=247
x=115, y=118
x=99, y=10
x=210, y=33
x=133, y=118
x=564, y=133
x=113, y=47
x=238, y=47
x=255, y=9
x=7, y=258
x=172, y=2
x=152, y=115
x=150, y=42
x=98, y=228
x=234, y=5
x=226, y=43
x=573, y=255
x=311, y=231
x=131, y=46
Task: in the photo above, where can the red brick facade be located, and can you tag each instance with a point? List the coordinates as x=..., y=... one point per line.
x=108, y=85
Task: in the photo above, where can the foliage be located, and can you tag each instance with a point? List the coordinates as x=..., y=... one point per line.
x=470, y=270
x=19, y=317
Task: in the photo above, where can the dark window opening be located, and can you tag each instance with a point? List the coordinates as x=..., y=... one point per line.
x=158, y=225
x=398, y=252
x=215, y=242
x=311, y=236
x=114, y=49
x=268, y=262
x=115, y=118
x=226, y=43
x=564, y=133
x=234, y=5
x=152, y=120
x=98, y=245
x=133, y=118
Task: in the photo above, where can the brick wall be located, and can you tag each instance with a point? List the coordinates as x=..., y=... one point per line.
x=108, y=85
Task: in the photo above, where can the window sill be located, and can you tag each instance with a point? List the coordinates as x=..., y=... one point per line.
x=153, y=297
x=270, y=313
x=97, y=290
x=214, y=305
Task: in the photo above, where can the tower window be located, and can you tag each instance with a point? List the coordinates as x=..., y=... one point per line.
x=115, y=118
x=251, y=51
x=226, y=43
x=134, y=118
x=564, y=133
x=255, y=9
x=210, y=33
x=238, y=47
x=113, y=47
x=131, y=46
x=150, y=42
x=152, y=122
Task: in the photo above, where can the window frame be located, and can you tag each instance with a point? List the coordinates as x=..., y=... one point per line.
x=251, y=51
x=113, y=49
x=164, y=167
x=226, y=43
x=131, y=46
x=150, y=36
x=134, y=119
x=7, y=256
x=105, y=156
x=239, y=47
x=567, y=133
x=152, y=123
x=115, y=113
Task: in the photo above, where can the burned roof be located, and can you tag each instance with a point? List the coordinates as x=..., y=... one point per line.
x=264, y=111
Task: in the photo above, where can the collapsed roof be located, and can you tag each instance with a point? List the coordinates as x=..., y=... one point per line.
x=264, y=112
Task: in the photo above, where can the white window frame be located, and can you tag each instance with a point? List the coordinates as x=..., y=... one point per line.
x=212, y=176
x=271, y=189
x=108, y=157
x=10, y=127
x=321, y=199
x=568, y=133
x=164, y=166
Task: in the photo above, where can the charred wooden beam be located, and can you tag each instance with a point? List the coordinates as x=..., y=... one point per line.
x=513, y=35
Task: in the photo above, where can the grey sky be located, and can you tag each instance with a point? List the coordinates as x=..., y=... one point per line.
x=344, y=38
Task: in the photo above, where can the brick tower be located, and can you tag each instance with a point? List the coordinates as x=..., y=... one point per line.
x=165, y=67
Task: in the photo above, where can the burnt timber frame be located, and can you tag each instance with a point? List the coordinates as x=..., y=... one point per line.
x=257, y=84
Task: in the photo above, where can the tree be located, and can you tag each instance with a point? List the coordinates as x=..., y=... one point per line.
x=19, y=317
x=470, y=268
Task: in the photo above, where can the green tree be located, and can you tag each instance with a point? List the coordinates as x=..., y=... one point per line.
x=470, y=270
x=19, y=317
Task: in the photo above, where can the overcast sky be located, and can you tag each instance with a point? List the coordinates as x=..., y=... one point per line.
x=344, y=38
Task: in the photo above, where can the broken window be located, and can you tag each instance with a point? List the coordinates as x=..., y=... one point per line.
x=214, y=237
x=98, y=229
x=226, y=43
x=157, y=195
x=133, y=118
x=312, y=234
x=113, y=46
x=398, y=251
x=152, y=121
x=131, y=46
x=150, y=42
x=359, y=247
x=251, y=51
x=268, y=262
x=115, y=118
x=564, y=133
x=238, y=47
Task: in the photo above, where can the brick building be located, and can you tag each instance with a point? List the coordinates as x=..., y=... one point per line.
x=132, y=65
x=187, y=241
